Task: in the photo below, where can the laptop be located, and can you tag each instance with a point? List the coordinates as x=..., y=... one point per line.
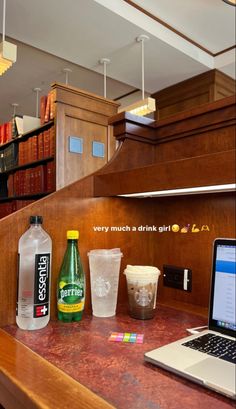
x=209, y=357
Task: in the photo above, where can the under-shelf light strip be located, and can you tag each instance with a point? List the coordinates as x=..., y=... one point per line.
x=185, y=191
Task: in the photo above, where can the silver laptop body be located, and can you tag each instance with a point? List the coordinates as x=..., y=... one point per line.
x=215, y=367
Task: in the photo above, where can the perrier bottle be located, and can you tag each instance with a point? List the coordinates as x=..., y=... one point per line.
x=71, y=282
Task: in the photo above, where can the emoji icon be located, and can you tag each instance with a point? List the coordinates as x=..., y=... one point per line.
x=175, y=228
x=205, y=228
x=185, y=229
x=195, y=229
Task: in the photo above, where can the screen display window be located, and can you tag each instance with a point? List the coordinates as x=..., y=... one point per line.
x=225, y=287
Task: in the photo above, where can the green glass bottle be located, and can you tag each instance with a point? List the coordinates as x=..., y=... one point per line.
x=71, y=282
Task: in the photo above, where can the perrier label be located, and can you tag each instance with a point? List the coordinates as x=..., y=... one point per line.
x=70, y=297
x=71, y=282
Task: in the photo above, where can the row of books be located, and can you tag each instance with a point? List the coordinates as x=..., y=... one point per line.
x=34, y=148
x=37, y=147
x=47, y=107
x=31, y=181
x=19, y=124
x=10, y=207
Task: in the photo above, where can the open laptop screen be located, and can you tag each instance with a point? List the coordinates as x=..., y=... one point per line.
x=223, y=291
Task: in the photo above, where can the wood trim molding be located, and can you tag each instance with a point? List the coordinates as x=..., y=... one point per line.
x=82, y=93
x=169, y=175
x=200, y=119
x=224, y=51
x=33, y=387
x=179, y=33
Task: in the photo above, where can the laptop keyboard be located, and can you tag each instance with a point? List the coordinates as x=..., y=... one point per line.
x=211, y=344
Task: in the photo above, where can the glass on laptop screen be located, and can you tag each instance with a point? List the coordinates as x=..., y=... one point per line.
x=223, y=308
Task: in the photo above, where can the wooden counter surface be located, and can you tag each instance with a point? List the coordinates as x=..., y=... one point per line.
x=47, y=368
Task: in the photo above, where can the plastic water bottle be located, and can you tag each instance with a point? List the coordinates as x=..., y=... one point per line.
x=71, y=282
x=34, y=270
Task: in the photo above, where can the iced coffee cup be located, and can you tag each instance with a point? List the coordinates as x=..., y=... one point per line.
x=142, y=282
x=104, y=268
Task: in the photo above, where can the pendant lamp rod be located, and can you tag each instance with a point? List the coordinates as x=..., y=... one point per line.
x=104, y=62
x=141, y=39
x=37, y=90
x=14, y=105
x=67, y=71
x=4, y=20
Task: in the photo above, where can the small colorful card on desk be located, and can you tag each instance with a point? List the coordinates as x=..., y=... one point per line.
x=126, y=337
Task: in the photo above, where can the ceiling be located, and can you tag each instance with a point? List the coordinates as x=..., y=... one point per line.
x=187, y=37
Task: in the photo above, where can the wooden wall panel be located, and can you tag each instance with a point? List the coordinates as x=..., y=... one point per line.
x=72, y=208
x=75, y=207
x=85, y=115
x=205, y=141
x=79, y=165
x=201, y=89
x=192, y=250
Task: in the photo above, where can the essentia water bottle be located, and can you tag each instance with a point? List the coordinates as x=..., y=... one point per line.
x=34, y=269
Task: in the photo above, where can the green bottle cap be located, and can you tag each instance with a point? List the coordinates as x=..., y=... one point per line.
x=72, y=235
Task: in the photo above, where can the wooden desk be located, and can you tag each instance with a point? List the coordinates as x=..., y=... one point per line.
x=47, y=368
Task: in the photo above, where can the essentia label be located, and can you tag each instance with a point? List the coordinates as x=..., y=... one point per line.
x=41, y=285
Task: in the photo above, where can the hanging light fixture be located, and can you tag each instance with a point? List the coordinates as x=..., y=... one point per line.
x=230, y=2
x=7, y=50
x=146, y=105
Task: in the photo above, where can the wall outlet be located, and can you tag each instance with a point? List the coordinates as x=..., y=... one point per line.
x=177, y=277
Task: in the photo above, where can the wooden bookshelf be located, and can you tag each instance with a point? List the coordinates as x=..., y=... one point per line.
x=26, y=135
x=25, y=175
x=77, y=114
x=28, y=165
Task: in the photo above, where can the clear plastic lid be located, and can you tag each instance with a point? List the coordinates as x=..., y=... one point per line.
x=105, y=252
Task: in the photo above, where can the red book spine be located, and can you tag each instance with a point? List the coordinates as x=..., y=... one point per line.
x=52, y=104
x=23, y=147
x=46, y=140
x=43, y=104
x=6, y=132
x=31, y=181
x=9, y=131
x=34, y=148
x=2, y=134
x=16, y=183
x=47, y=110
x=29, y=151
x=21, y=153
x=41, y=185
x=27, y=181
x=50, y=183
x=52, y=141
x=10, y=185
x=22, y=182
x=40, y=146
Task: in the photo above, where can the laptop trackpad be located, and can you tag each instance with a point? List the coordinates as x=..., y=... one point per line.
x=214, y=371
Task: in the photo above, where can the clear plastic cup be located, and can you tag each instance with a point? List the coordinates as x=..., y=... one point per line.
x=104, y=268
x=142, y=282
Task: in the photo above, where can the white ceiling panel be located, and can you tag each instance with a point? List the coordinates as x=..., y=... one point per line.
x=77, y=33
